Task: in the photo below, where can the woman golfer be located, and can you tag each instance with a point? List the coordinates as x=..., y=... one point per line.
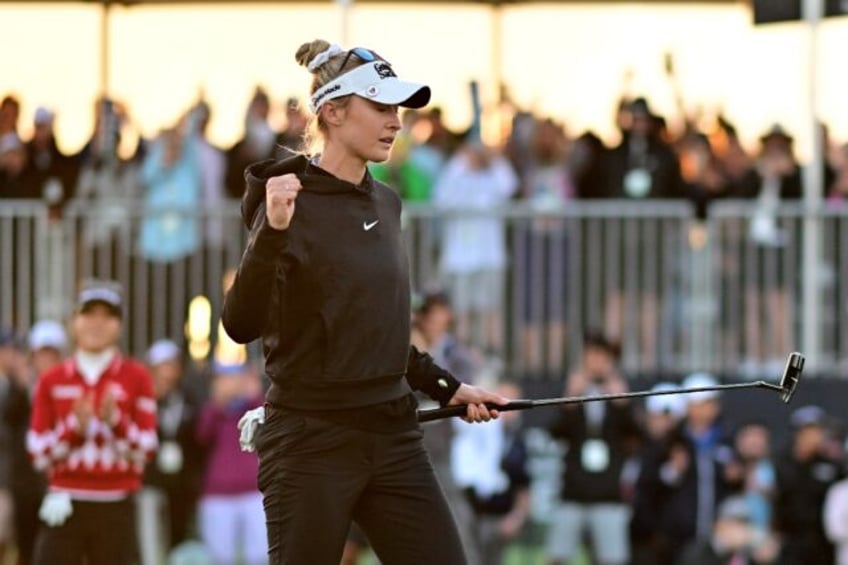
x=324, y=282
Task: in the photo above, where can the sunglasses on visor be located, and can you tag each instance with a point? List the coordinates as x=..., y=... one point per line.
x=364, y=54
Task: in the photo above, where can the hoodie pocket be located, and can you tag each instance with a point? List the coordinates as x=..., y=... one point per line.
x=349, y=336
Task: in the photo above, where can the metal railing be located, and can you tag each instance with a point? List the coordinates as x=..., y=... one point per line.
x=24, y=262
x=680, y=294
x=618, y=266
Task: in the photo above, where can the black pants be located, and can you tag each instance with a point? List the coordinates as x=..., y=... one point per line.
x=317, y=475
x=97, y=533
x=27, y=522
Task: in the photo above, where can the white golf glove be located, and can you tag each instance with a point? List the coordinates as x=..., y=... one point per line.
x=56, y=508
x=249, y=425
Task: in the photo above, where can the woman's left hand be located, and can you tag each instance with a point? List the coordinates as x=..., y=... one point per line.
x=476, y=398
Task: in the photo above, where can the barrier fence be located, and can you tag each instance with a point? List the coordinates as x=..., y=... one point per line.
x=680, y=294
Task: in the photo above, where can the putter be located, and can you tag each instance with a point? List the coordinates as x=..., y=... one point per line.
x=788, y=383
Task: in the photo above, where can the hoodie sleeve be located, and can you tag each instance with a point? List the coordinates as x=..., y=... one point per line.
x=424, y=375
x=248, y=300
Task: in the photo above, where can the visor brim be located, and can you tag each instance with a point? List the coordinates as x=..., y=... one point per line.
x=87, y=306
x=399, y=93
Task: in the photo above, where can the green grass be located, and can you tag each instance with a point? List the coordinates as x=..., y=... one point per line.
x=515, y=555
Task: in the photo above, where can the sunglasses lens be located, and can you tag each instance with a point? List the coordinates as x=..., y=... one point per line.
x=364, y=54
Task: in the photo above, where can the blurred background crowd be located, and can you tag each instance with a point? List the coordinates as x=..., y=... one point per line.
x=546, y=229
x=538, y=158
x=677, y=478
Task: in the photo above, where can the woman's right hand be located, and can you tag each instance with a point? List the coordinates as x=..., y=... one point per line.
x=280, y=194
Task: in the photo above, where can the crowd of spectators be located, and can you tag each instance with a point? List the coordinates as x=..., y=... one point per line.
x=660, y=481
x=179, y=179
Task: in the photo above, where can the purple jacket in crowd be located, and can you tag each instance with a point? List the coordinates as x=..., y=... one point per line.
x=229, y=470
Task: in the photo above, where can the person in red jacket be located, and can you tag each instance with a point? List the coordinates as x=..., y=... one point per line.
x=92, y=430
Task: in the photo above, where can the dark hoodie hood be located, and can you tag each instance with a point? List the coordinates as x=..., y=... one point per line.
x=313, y=179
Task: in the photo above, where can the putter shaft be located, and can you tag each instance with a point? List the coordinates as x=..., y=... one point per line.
x=523, y=404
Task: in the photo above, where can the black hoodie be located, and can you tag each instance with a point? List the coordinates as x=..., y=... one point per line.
x=330, y=295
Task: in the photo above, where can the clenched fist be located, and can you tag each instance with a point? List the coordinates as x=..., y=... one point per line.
x=280, y=194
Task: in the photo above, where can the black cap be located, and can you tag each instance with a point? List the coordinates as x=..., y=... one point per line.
x=597, y=339
x=776, y=131
x=108, y=293
x=640, y=106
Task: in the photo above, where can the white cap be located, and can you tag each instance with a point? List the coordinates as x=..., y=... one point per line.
x=47, y=333
x=43, y=115
x=373, y=81
x=103, y=292
x=10, y=142
x=700, y=380
x=673, y=404
x=162, y=351
x=808, y=416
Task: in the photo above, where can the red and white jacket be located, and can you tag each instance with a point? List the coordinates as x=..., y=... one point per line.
x=104, y=461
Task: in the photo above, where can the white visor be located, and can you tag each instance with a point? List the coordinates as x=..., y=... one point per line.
x=373, y=81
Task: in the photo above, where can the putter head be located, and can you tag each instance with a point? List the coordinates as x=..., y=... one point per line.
x=791, y=376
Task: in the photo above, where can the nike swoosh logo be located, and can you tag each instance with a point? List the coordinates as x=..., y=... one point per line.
x=366, y=226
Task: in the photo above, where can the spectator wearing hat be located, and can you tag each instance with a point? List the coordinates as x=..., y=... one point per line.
x=106, y=183
x=775, y=178
x=692, y=472
x=93, y=427
x=52, y=172
x=231, y=514
x=643, y=167
x=735, y=539
x=171, y=480
x=662, y=415
x=776, y=164
x=47, y=343
x=600, y=437
x=804, y=474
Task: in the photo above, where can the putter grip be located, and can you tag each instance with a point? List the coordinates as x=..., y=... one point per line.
x=460, y=409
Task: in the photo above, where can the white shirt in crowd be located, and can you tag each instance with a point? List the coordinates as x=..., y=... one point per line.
x=474, y=244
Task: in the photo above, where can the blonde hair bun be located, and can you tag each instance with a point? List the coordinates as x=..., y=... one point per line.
x=308, y=51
